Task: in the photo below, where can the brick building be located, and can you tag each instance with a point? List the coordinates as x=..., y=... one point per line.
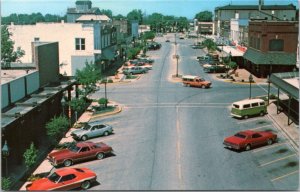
x=272, y=47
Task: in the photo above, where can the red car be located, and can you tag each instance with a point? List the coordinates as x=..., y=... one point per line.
x=79, y=152
x=64, y=179
x=248, y=139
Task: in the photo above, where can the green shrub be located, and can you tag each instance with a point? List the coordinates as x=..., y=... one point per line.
x=272, y=96
x=110, y=81
x=103, y=101
x=57, y=127
x=6, y=183
x=64, y=145
x=30, y=155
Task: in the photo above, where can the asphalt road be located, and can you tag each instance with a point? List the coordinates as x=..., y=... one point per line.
x=169, y=137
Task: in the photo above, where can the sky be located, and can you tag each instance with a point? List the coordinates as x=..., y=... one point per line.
x=186, y=8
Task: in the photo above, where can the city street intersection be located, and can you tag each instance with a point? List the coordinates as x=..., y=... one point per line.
x=170, y=137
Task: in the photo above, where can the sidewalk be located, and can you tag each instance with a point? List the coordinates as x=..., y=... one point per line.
x=281, y=122
x=45, y=166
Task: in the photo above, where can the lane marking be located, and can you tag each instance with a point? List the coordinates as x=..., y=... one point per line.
x=261, y=127
x=178, y=149
x=280, y=159
x=250, y=120
x=268, y=147
x=280, y=177
x=144, y=107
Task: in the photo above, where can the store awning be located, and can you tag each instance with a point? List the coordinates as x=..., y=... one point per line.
x=108, y=54
x=231, y=50
x=288, y=82
x=276, y=58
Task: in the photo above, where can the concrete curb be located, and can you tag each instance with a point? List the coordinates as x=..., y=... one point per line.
x=118, y=110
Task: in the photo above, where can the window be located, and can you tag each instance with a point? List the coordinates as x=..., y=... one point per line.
x=101, y=126
x=36, y=39
x=258, y=43
x=262, y=103
x=276, y=45
x=67, y=178
x=79, y=43
x=84, y=149
x=236, y=106
x=246, y=106
x=256, y=135
x=254, y=104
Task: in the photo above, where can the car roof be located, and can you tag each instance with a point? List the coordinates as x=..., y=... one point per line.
x=83, y=144
x=65, y=171
x=247, y=132
x=95, y=122
x=246, y=101
x=190, y=77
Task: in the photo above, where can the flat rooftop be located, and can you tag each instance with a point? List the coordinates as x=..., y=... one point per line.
x=294, y=82
x=10, y=75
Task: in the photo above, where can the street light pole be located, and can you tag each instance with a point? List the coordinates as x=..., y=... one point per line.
x=177, y=57
x=5, y=153
x=105, y=92
x=269, y=89
x=250, y=81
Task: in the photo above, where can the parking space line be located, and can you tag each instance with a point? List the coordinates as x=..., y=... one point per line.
x=260, y=127
x=284, y=175
x=250, y=120
x=277, y=160
x=268, y=147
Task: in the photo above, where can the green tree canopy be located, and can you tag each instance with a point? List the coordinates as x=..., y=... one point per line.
x=8, y=54
x=148, y=35
x=56, y=127
x=205, y=16
x=29, y=19
x=118, y=17
x=77, y=104
x=30, y=155
x=88, y=77
x=106, y=12
x=135, y=14
x=210, y=44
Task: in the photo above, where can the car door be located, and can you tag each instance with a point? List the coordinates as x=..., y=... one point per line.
x=67, y=182
x=93, y=131
x=257, y=139
x=83, y=154
x=99, y=130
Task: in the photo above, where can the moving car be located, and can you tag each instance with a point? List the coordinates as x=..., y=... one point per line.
x=245, y=140
x=248, y=107
x=134, y=70
x=92, y=129
x=64, y=179
x=195, y=81
x=79, y=152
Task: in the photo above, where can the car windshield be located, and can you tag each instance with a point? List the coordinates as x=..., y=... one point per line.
x=240, y=135
x=54, y=177
x=73, y=148
x=86, y=127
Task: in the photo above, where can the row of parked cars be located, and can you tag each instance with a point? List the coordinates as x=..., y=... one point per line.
x=138, y=66
x=79, y=151
x=211, y=64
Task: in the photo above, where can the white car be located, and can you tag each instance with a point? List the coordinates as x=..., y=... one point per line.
x=92, y=129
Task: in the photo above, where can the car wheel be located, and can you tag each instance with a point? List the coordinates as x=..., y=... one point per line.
x=188, y=85
x=261, y=113
x=203, y=86
x=248, y=147
x=85, y=185
x=100, y=156
x=246, y=117
x=105, y=133
x=130, y=73
x=68, y=163
x=84, y=138
x=270, y=141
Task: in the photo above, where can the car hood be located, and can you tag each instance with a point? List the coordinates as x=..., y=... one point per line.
x=63, y=152
x=42, y=184
x=234, y=140
x=79, y=132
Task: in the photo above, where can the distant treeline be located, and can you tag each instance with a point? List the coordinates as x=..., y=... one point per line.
x=29, y=19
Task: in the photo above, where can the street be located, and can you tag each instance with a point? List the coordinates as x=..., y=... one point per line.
x=170, y=137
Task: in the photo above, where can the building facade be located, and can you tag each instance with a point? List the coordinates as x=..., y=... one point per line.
x=272, y=47
x=224, y=14
x=206, y=28
x=78, y=43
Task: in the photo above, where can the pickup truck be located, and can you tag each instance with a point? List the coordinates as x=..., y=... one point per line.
x=79, y=152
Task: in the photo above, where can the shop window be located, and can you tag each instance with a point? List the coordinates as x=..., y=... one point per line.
x=276, y=45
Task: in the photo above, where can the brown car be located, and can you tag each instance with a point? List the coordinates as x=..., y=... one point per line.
x=195, y=81
x=79, y=152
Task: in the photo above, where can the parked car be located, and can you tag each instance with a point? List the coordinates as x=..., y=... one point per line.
x=64, y=179
x=214, y=68
x=203, y=58
x=198, y=46
x=245, y=140
x=167, y=40
x=78, y=152
x=146, y=60
x=92, y=129
x=248, y=107
x=154, y=46
x=195, y=81
x=134, y=70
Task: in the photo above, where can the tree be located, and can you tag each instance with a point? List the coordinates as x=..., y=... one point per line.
x=8, y=54
x=30, y=155
x=135, y=14
x=5, y=183
x=106, y=12
x=57, y=127
x=103, y=102
x=148, y=35
x=88, y=77
x=205, y=16
x=118, y=17
x=77, y=104
x=210, y=44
